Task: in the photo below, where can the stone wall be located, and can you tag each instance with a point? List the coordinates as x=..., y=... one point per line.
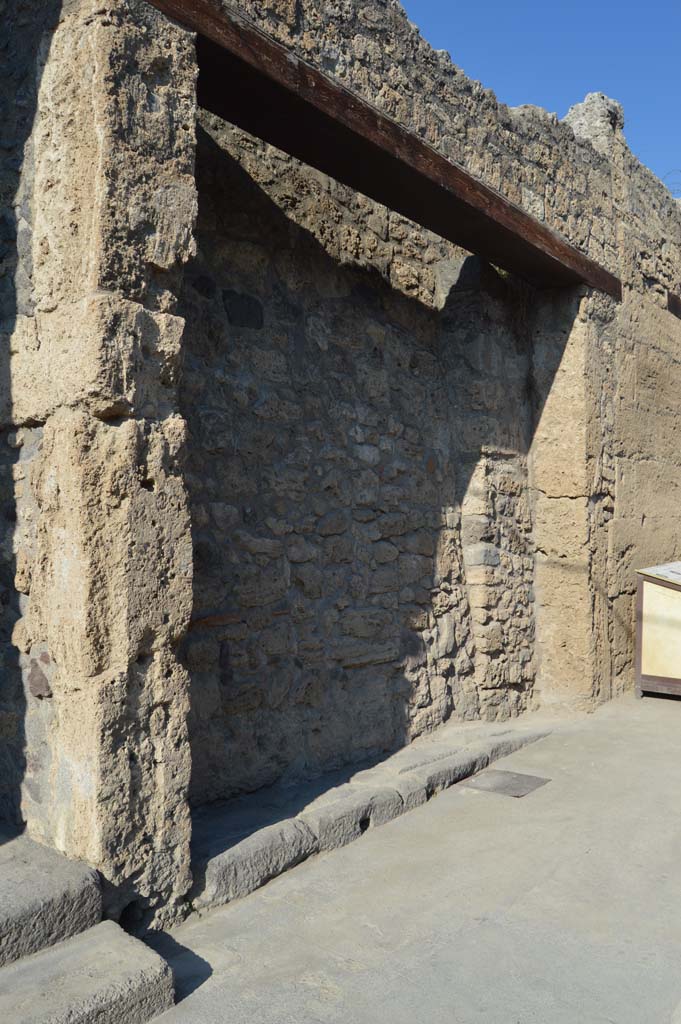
x=334, y=482
x=21, y=75
x=579, y=176
x=98, y=205
x=526, y=396
x=335, y=426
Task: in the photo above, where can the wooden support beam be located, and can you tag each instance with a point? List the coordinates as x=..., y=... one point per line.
x=249, y=79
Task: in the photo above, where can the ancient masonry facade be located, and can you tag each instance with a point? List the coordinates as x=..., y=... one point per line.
x=287, y=480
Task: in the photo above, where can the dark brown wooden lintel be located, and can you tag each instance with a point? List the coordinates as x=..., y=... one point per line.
x=249, y=79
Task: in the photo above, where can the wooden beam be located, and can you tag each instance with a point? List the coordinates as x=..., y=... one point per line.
x=249, y=79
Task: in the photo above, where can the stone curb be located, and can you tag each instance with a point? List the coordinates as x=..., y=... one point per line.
x=256, y=859
x=371, y=798
x=348, y=812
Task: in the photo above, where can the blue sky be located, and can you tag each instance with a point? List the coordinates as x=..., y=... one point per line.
x=529, y=51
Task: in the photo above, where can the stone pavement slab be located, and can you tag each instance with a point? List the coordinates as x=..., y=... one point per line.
x=563, y=907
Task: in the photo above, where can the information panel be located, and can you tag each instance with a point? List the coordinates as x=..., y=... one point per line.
x=658, y=647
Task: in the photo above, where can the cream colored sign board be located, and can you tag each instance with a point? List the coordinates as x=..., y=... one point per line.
x=661, y=633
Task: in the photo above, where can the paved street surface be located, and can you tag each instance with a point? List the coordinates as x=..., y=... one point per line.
x=560, y=907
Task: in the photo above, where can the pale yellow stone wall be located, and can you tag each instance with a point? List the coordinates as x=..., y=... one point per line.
x=102, y=546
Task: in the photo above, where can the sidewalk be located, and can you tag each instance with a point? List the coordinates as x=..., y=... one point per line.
x=563, y=907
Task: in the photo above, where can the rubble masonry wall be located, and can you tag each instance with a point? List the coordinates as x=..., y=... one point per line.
x=287, y=491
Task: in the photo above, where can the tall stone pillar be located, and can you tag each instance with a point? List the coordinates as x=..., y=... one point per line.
x=571, y=480
x=102, y=539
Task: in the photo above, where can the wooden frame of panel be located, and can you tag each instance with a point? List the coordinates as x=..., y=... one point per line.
x=651, y=683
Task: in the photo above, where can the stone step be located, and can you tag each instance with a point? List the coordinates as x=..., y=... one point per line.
x=242, y=844
x=101, y=976
x=44, y=897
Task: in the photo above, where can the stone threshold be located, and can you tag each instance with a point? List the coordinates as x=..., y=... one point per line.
x=44, y=897
x=241, y=844
x=100, y=976
x=59, y=962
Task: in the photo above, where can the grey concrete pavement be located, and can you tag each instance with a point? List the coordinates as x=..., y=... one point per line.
x=562, y=907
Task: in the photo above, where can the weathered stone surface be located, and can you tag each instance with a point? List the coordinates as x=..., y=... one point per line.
x=447, y=771
x=413, y=790
x=346, y=813
x=418, y=490
x=101, y=976
x=113, y=645
x=369, y=596
x=239, y=845
x=99, y=208
x=254, y=860
x=597, y=120
x=44, y=898
x=122, y=359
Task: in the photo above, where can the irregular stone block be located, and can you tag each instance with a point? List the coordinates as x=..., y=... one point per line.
x=38, y=677
x=414, y=568
x=502, y=746
x=102, y=976
x=392, y=524
x=264, y=587
x=255, y=545
x=422, y=542
x=366, y=622
x=340, y=550
x=412, y=790
x=44, y=898
x=122, y=359
x=353, y=653
x=335, y=522
x=368, y=453
x=384, y=552
x=481, y=554
x=309, y=579
x=298, y=550
x=384, y=580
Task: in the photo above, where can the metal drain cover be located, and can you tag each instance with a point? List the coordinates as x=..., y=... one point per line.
x=506, y=783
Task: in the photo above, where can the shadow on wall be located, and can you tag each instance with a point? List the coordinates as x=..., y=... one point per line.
x=26, y=35
x=357, y=477
x=357, y=472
